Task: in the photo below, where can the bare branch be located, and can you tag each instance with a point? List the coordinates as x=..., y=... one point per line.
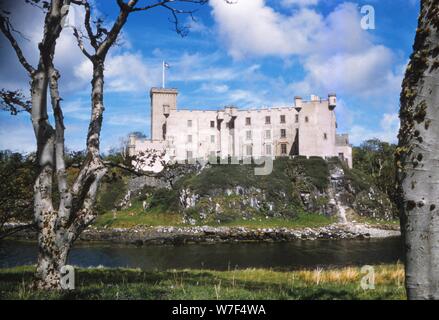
x=7, y=29
x=79, y=38
x=14, y=102
x=167, y=4
x=130, y=169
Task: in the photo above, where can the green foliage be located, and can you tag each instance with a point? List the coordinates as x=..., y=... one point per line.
x=17, y=176
x=166, y=200
x=111, y=192
x=376, y=159
x=230, y=176
x=358, y=179
x=315, y=168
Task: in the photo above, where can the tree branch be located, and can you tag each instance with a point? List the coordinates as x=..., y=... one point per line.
x=81, y=43
x=130, y=170
x=10, y=231
x=14, y=102
x=65, y=195
x=7, y=29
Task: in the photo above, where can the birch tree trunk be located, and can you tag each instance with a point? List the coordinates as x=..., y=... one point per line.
x=58, y=228
x=418, y=158
x=54, y=235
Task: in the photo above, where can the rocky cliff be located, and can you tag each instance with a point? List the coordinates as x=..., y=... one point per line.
x=223, y=193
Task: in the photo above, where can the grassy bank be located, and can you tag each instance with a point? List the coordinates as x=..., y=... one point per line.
x=135, y=216
x=341, y=283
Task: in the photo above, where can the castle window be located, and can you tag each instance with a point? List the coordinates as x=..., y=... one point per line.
x=189, y=123
x=325, y=136
x=282, y=118
x=248, y=121
x=212, y=139
x=249, y=150
x=267, y=134
x=189, y=138
x=267, y=120
x=212, y=124
x=268, y=149
x=248, y=135
x=306, y=119
x=297, y=118
x=283, y=148
x=283, y=133
x=189, y=155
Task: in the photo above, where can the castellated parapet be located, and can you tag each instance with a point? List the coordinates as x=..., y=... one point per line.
x=306, y=128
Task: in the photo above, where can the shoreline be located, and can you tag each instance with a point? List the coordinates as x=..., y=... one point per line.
x=205, y=234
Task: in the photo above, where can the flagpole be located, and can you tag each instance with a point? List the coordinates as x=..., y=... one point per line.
x=163, y=74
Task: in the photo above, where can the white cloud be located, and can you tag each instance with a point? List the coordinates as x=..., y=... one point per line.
x=196, y=25
x=126, y=120
x=360, y=73
x=337, y=54
x=124, y=72
x=251, y=28
x=300, y=3
x=387, y=131
x=214, y=88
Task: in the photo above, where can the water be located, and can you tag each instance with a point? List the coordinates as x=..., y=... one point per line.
x=281, y=256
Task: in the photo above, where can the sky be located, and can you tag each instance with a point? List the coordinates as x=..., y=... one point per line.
x=250, y=53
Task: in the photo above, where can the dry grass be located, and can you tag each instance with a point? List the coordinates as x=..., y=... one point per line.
x=384, y=275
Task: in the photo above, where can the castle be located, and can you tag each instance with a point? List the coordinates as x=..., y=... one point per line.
x=307, y=128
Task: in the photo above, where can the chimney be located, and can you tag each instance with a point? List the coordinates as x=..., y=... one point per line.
x=298, y=102
x=315, y=98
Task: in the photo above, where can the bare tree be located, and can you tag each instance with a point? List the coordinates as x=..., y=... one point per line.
x=52, y=224
x=59, y=227
x=418, y=156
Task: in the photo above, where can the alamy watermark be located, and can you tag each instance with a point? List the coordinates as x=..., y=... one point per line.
x=70, y=16
x=368, y=19
x=67, y=279
x=368, y=280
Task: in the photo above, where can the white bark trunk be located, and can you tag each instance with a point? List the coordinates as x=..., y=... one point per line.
x=418, y=159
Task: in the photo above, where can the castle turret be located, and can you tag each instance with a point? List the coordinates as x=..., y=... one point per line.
x=332, y=101
x=132, y=145
x=163, y=102
x=298, y=102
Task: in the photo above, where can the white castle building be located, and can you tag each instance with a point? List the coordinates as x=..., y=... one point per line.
x=307, y=128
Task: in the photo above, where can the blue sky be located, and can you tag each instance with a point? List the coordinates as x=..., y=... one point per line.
x=252, y=53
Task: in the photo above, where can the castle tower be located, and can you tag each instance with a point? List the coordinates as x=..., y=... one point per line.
x=163, y=102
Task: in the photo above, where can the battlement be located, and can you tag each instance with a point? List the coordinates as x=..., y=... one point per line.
x=164, y=90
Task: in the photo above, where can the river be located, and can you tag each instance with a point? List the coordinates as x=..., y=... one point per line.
x=281, y=256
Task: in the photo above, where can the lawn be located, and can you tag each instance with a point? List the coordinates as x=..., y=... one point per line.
x=100, y=283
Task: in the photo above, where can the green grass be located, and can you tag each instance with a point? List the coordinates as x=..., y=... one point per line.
x=135, y=216
x=303, y=220
x=204, y=284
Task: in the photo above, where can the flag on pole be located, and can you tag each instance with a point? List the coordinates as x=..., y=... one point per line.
x=165, y=66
